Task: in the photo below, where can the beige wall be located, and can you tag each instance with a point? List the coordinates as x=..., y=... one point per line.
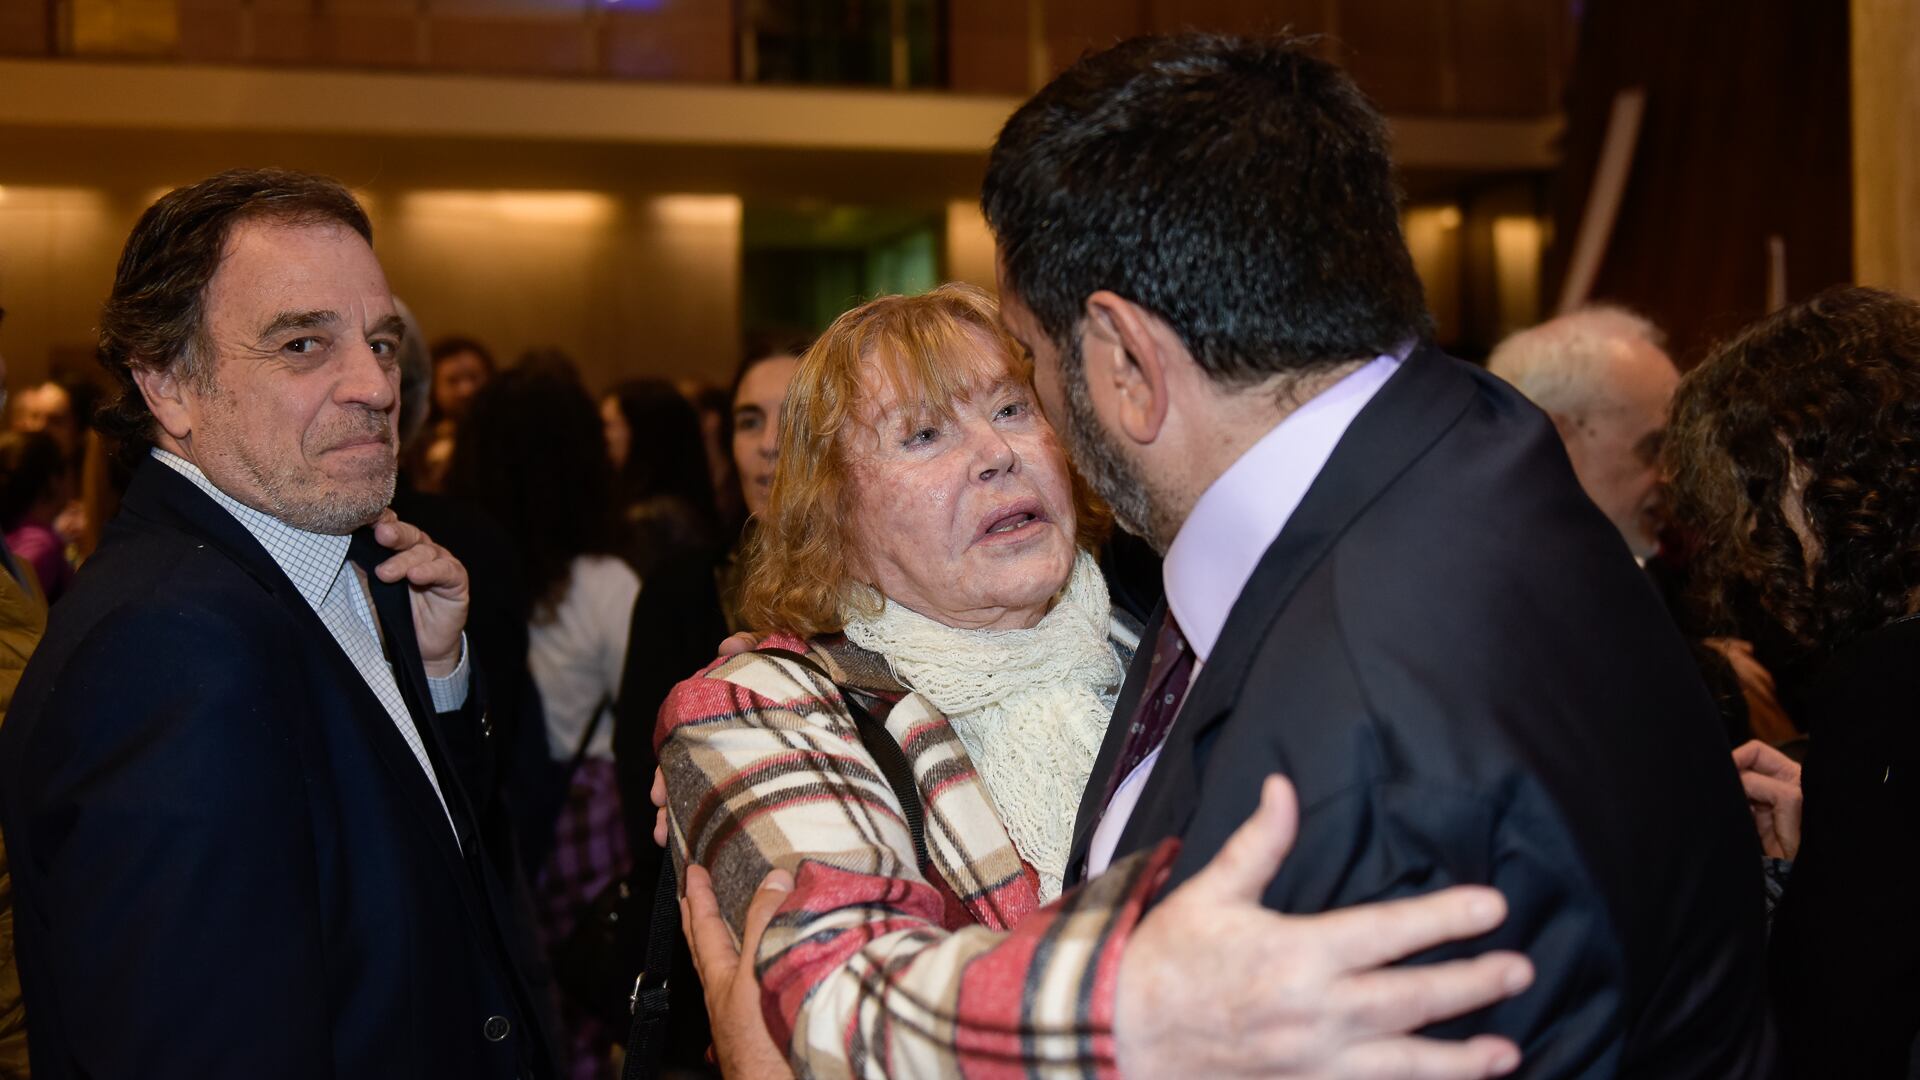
x=628, y=283
x=1886, y=161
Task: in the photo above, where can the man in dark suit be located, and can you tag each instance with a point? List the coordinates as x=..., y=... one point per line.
x=233, y=779
x=1382, y=578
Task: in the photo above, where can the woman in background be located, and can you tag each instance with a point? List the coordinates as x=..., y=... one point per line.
x=34, y=489
x=1795, y=455
x=759, y=388
x=665, y=491
x=532, y=454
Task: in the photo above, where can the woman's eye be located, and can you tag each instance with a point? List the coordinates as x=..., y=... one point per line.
x=922, y=436
x=1011, y=409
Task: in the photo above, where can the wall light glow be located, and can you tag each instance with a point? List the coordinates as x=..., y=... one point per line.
x=533, y=207
x=710, y=210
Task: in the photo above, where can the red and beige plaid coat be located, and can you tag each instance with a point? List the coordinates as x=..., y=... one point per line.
x=875, y=966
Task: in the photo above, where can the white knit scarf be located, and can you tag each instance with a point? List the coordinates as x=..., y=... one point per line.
x=1030, y=706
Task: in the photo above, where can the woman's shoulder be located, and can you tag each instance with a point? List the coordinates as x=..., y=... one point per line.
x=784, y=672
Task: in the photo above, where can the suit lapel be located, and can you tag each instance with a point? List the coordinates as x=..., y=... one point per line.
x=1415, y=407
x=164, y=496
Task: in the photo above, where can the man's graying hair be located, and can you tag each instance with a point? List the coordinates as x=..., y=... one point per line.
x=1561, y=364
x=155, y=317
x=1238, y=188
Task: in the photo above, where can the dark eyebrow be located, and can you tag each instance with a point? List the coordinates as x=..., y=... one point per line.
x=738, y=409
x=393, y=326
x=298, y=320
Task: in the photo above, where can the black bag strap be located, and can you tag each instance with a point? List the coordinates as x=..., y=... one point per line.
x=884, y=750
x=649, y=1003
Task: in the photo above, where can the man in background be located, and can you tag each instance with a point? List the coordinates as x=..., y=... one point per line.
x=1603, y=378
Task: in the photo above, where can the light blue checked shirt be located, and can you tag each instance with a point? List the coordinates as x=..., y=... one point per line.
x=317, y=565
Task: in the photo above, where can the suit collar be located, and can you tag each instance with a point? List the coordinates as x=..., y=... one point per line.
x=310, y=560
x=1406, y=417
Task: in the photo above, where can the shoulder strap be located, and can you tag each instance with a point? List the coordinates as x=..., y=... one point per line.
x=884, y=749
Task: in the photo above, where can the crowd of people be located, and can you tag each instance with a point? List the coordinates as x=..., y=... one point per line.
x=1173, y=664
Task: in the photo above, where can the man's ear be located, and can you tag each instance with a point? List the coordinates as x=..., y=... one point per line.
x=1126, y=352
x=166, y=398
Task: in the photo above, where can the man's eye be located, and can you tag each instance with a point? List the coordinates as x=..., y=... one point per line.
x=303, y=346
x=385, y=348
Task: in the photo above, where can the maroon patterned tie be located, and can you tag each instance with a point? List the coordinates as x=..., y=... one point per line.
x=1167, y=682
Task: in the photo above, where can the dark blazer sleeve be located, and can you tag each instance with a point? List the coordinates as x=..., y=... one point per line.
x=174, y=863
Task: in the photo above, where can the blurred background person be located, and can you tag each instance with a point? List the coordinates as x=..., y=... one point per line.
x=49, y=408
x=23, y=619
x=532, y=452
x=714, y=406
x=34, y=490
x=1603, y=376
x=759, y=388
x=663, y=486
x=461, y=366
x=1795, y=455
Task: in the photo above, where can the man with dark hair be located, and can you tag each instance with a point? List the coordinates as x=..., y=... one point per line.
x=1382, y=578
x=233, y=780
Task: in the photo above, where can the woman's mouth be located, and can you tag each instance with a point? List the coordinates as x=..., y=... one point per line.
x=1010, y=522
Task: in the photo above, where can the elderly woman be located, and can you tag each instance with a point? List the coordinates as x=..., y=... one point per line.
x=925, y=550
x=1795, y=454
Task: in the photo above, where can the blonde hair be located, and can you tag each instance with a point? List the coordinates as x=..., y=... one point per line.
x=802, y=559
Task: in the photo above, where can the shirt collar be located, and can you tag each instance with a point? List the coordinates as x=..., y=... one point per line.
x=310, y=560
x=1242, y=512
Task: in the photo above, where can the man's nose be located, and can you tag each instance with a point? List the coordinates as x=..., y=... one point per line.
x=369, y=378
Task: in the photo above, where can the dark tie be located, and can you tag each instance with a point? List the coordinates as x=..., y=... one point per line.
x=1167, y=682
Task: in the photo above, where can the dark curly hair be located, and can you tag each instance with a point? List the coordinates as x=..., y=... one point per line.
x=1816, y=406
x=532, y=455
x=155, y=317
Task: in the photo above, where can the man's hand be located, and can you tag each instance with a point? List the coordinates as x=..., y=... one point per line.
x=439, y=590
x=1214, y=984
x=1772, y=781
x=740, y=1038
x=744, y=641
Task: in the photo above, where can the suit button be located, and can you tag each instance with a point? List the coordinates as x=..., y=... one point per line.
x=497, y=1028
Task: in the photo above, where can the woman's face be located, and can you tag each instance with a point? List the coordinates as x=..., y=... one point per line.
x=756, y=426
x=456, y=379
x=619, y=435
x=968, y=521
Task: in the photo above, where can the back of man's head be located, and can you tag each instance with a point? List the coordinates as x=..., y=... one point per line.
x=1566, y=365
x=155, y=316
x=1238, y=188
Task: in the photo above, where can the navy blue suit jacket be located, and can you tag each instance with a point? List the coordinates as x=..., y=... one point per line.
x=1451, y=654
x=226, y=861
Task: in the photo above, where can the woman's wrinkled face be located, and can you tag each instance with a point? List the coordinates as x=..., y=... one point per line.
x=966, y=519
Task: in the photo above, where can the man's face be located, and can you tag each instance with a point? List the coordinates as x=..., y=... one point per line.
x=1615, y=445
x=1095, y=451
x=298, y=415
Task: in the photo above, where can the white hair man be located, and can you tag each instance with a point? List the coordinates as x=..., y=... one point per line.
x=1603, y=377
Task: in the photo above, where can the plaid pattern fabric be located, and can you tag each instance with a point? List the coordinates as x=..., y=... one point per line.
x=317, y=565
x=875, y=966
x=589, y=852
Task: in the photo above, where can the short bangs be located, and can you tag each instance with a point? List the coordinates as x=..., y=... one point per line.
x=801, y=562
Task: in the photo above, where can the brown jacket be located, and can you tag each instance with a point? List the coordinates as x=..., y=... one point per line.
x=23, y=619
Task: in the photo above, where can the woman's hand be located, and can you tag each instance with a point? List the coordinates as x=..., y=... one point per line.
x=1214, y=984
x=1772, y=781
x=740, y=1038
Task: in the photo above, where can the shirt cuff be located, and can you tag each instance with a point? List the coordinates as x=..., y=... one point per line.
x=451, y=692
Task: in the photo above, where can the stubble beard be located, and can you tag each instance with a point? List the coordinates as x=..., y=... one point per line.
x=303, y=496
x=1114, y=477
